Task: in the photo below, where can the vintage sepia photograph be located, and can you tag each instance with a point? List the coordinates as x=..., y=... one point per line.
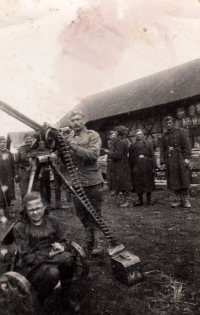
x=99, y=157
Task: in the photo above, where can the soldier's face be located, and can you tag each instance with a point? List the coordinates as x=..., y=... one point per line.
x=169, y=125
x=77, y=122
x=139, y=135
x=35, y=210
x=113, y=136
x=2, y=144
x=28, y=141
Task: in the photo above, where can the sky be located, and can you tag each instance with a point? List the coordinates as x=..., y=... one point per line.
x=54, y=53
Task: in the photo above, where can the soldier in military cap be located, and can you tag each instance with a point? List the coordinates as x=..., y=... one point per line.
x=85, y=146
x=143, y=164
x=175, y=153
x=22, y=165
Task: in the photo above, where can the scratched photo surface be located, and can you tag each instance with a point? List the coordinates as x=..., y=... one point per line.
x=122, y=63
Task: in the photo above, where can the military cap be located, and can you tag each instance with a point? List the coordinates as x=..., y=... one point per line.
x=28, y=134
x=138, y=130
x=75, y=112
x=168, y=118
x=121, y=130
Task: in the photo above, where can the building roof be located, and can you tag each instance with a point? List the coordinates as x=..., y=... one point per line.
x=17, y=138
x=164, y=87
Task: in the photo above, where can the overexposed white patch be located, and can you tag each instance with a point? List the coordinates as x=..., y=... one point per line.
x=5, y=156
x=4, y=251
x=122, y=7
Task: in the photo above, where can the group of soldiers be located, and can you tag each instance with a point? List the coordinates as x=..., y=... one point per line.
x=38, y=236
x=131, y=167
x=85, y=148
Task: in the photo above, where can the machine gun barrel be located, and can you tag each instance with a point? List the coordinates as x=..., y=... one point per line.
x=14, y=113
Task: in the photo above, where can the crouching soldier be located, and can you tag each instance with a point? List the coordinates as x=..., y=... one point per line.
x=175, y=153
x=43, y=258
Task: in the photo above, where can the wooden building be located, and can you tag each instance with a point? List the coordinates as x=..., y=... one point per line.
x=144, y=103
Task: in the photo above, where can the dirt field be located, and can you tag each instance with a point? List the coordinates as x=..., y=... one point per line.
x=167, y=242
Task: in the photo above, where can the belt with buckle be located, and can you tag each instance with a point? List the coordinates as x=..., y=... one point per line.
x=141, y=156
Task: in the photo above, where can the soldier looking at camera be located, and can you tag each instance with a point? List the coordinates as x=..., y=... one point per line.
x=22, y=165
x=175, y=153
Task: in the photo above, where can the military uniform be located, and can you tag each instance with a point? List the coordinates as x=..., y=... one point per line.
x=34, y=244
x=121, y=173
x=85, y=149
x=143, y=163
x=22, y=168
x=175, y=148
x=7, y=174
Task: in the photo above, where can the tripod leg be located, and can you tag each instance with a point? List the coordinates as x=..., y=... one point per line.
x=34, y=168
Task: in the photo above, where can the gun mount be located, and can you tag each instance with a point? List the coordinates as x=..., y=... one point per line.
x=126, y=266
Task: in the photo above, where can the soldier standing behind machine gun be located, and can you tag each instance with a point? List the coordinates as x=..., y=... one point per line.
x=22, y=165
x=85, y=148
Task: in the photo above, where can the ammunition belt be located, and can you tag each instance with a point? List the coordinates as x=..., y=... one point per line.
x=66, y=158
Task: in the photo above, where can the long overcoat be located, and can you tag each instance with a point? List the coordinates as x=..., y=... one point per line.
x=7, y=174
x=175, y=147
x=120, y=173
x=142, y=162
x=110, y=166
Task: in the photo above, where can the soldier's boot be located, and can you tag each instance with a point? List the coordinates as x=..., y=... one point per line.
x=178, y=202
x=127, y=200
x=140, y=200
x=126, y=203
x=89, y=240
x=149, y=202
x=98, y=243
x=185, y=198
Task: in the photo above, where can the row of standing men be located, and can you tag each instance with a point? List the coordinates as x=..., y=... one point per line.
x=132, y=167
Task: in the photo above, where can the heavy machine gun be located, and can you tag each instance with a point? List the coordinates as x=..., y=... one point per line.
x=126, y=266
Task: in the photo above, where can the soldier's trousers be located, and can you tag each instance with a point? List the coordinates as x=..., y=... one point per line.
x=94, y=194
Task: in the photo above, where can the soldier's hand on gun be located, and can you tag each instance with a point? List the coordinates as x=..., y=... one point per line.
x=58, y=247
x=72, y=143
x=105, y=151
x=4, y=188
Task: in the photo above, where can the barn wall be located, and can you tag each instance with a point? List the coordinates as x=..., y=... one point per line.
x=151, y=121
